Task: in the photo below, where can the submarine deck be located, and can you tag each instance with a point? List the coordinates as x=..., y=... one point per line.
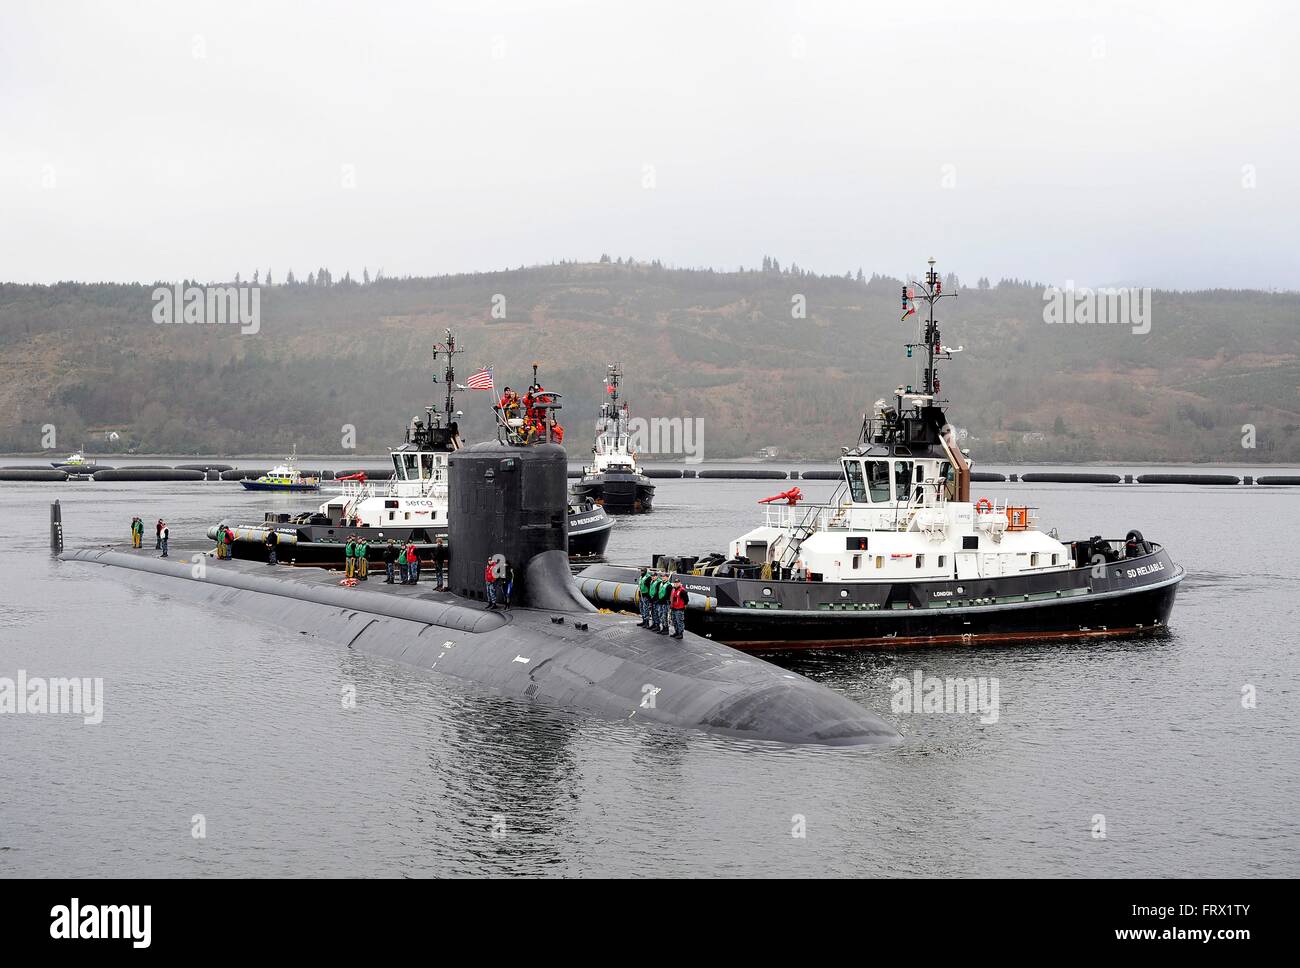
x=601, y=663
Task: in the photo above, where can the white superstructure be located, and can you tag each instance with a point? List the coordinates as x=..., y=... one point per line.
x=895, y=517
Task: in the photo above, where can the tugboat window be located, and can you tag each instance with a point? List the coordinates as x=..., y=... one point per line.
x=853, y=474
x=878, y=480
x=902, y=480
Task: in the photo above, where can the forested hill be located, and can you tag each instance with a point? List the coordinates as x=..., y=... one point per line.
x=725, y=347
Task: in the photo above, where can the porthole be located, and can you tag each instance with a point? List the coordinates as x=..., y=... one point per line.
x=844, y=593
x=767, y=591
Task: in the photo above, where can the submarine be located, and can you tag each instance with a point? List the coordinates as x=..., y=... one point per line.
x=553, y=647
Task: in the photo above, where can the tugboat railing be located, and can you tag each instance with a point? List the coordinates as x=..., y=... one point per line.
x=354, y=492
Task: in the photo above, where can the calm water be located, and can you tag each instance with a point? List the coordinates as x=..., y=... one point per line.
x=206, y=713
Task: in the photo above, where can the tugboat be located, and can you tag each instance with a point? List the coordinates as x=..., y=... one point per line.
x=284, y=477
x=612, y=479
x=902, y=556
x=412, y=507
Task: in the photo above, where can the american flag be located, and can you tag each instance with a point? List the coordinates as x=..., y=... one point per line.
x=482, y=380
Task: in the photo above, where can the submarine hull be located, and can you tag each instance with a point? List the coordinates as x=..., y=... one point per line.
x=588, y=662
x=509, y=522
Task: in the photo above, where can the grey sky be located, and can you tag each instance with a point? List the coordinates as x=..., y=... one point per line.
x=1099, y=142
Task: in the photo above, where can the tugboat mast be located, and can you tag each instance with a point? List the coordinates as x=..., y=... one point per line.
x=448, y=350
x=609, y=410
x=931, y=290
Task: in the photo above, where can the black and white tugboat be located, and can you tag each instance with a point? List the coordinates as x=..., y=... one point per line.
x=612, y=479
x=901, y=555
x=412, y=506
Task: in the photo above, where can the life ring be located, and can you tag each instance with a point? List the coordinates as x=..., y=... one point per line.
x=983, y=506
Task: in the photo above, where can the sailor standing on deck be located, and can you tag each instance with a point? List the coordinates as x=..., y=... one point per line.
x=137, y=532
x=505, y=582
x=654, y=601
x=490, y=583
x=659, y=602
x=350, y=557
x=413, y=563
x=440, y=559
x=158, y=530
x=363, y=558
x=665, y=593
x=643, y=597
x=390, y=560
x=272, y=541
x=164, y=535
x=677, y=606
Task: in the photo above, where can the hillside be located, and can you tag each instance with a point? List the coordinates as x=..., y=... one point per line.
x=720, y=346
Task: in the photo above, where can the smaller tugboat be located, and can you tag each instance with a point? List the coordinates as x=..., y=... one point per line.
x=71, y=462
x=612, y=479
x=412, y=507
x=284, y=477
x=902, y=555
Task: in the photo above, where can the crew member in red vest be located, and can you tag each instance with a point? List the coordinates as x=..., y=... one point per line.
x=677, y=606
x=490, y=583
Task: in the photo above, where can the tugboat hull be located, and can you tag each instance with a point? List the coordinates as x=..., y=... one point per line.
x=1135, y=596
x=617, y=493
x=321, y=545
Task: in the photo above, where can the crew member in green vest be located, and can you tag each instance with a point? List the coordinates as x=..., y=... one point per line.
x=665, y=592
x=350, y=557
x=659, y=593
x=363, y=558
x=643, y=598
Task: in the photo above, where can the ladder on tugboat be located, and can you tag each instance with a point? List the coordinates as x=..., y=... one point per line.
x=807, y=526
x=354, y=493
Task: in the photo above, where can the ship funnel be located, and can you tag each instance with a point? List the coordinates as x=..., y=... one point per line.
x=512, y=502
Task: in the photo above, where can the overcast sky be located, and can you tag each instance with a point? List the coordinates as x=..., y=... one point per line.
x=1104, y=143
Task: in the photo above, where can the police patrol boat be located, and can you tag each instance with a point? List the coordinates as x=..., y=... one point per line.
x=612, y=479
x=902, y=555
x=412, y=506
x=284, y=477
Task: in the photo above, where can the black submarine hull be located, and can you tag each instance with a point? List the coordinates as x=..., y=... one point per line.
x=586, y=662
x=1134, y=597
